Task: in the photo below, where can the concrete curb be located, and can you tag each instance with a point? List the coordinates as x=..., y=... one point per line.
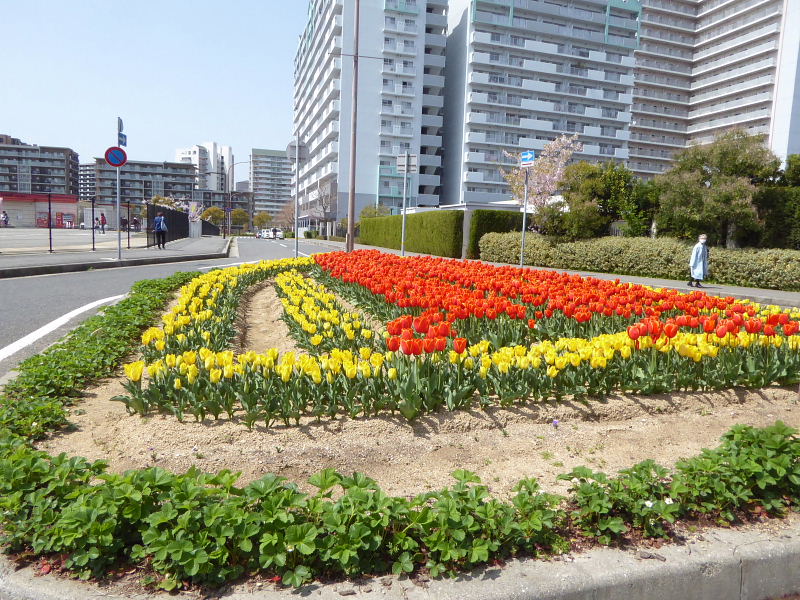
x=722, y=564
x=127, y=262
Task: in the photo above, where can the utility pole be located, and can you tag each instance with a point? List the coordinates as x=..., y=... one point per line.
x=351, y=201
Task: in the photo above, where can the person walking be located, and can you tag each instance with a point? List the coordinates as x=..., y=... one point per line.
x=103, y=222
x=698, y=262
x=4, y=219
x=160, y=227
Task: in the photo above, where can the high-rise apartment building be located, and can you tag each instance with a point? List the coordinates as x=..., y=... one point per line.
x=703, y=66
x=213, y=162
x=400, y=102
x=522, y=72
x=270, y=180
x=32, y=169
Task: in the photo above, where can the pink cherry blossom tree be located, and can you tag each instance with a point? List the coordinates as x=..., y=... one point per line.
x=545, y=175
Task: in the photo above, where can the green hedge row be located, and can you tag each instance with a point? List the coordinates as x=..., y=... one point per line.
x=490, y=221
x=661, y=257
x=436, y=232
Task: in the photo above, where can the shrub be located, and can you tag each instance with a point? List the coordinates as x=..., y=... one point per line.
x=662, y=257
x=436, y=232
x=779, y=211
x=489, y=221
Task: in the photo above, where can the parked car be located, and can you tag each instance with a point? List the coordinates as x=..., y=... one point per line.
x=266, y=234
x=279, y=234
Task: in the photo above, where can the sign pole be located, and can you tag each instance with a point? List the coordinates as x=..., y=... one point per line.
x=403, y=229
x=119, y=228
x=524, y=222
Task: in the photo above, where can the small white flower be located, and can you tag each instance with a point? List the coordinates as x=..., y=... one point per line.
x=648, y=504
x=668, y=501
x=574, y=480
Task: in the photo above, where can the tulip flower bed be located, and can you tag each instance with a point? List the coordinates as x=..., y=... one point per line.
x=456, y=333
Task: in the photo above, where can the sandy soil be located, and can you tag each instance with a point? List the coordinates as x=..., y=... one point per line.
x=260, y=326
x=501, y=445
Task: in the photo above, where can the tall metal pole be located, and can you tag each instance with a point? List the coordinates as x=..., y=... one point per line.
x=351, y=201
x=405, y=187
x=50, y=220
x=296, y=190
x=524, y=222
x=119, y=228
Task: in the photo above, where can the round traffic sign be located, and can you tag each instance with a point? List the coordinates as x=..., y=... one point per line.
x=116, y=157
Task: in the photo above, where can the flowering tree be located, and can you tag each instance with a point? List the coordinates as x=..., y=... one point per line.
x=544, y=175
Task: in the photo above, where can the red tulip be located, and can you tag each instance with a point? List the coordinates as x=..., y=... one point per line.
x=393, y=343
x=670, y=330
x=633, y=332
x=460, y=345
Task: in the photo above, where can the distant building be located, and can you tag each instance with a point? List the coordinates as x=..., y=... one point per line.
x=212, y=162
x=32, y=169
x=270, y=180
x=242, y=186
x=139, y=181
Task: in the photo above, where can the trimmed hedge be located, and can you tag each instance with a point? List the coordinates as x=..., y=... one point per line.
x=437, y=232
x=662, y=257
x=490, y=221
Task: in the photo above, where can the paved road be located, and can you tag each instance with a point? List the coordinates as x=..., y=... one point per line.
x=28, y=303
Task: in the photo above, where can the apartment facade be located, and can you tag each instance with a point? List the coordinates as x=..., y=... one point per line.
x=522, y=72
x=706, y=66
x=139, y=181
x=400, y=103
x=213, y=163
x=270, y=180
x=32, y=169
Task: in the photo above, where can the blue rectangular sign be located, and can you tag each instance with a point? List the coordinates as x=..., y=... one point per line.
x=527, y=158
x=122, y=139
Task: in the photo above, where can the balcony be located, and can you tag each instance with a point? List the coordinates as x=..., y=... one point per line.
x=404, y=6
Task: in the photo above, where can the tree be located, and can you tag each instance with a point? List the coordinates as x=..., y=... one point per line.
x=239, y=217
x=710, y=189
x=261, y=220
x=169, y=202
x=791, y=174
x=285, y=218
x=371, y=211
x=214, y=214
x=544, y=175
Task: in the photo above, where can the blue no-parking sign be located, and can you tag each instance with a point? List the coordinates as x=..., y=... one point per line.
x=116, y=157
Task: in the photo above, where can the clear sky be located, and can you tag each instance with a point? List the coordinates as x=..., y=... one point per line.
x=178, y=72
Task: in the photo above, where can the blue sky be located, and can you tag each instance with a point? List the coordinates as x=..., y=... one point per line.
x=178, y=72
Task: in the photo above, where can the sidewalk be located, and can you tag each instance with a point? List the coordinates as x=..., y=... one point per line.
x=762, y=296
x=22, y=264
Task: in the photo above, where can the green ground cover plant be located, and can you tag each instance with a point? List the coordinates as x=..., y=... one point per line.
x=646, y=257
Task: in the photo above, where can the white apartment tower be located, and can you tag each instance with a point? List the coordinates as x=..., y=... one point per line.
x=704, y=66
x=270, y=180
x=212, y=162
x=522, y=72
x=400, y=102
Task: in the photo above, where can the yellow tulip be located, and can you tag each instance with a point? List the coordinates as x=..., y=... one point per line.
x=393, y=373
x=134, y=370
x=177, y=385
x=216, y=375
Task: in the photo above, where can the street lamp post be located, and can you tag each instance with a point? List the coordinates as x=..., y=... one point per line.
x=351, y=200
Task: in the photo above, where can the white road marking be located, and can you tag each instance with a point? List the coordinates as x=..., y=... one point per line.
x=284, y=245
x=21, y=343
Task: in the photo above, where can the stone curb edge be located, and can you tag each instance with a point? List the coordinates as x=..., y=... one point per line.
x=720, y=565
x=129, y=262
